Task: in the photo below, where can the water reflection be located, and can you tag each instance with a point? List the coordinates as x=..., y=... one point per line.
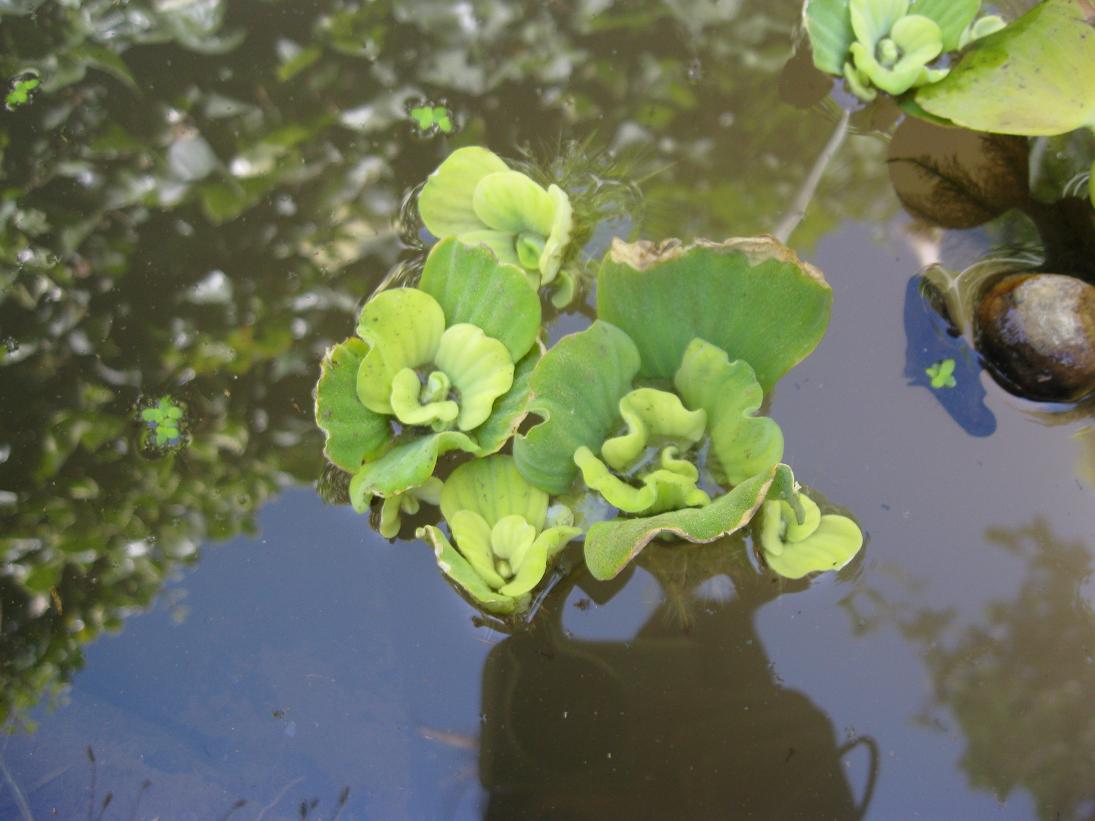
x=686, y=717
x=1016, y=681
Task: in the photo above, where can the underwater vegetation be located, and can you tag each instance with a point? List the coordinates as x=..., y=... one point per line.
x=642, y=426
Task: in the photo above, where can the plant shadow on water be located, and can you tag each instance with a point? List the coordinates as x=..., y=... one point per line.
x=582, y=728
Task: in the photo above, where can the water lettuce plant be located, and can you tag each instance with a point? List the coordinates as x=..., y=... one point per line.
x=432, y=369
x=163, y=423
x=794, y=545
x=891, y=44
x=674, y=369
x=941, y=374
x=1036, y=77
x=474, y=196
x=506, y=535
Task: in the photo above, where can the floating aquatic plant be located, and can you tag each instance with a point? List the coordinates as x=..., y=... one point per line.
x=675, y=368
x=433, y=369
x=795, y=546
x=21, y=90
x=891, y=44
x=163, y=423
x=432, y=118
x=475, y=197
x=942, y=374
x=506, y=535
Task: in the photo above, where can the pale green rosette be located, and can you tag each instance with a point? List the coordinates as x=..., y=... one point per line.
x=475, y=197
x=505, y=536
x=445, y=364
x=889, y=44
x=583, y=391
x=794, y=547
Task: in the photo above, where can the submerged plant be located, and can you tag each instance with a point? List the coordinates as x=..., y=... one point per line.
x=433, y=369
x=506, y=535
x=675, y=368
x=475, y=197
x=891, y=44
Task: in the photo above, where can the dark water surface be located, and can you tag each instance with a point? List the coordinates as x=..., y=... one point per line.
x=203, y=221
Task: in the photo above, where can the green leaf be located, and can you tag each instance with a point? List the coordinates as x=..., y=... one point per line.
x=511, y=202
x=445, y=204
x=408, y=464
x=480, y=369
x=493, y=488
x=822, y=543
x=403, y=329
x=917, y=40
x=576, y=390
x=20, y=92
x=353, y=432
x=473, y=287
x=952, y=17
x=298, y=63
x=104, y=59
x=457, y=568
x=942, y=374
x=753, y=298
x=611, y=545
x=829, y=25
x=509, y=411
x=743, y=444
x=669, y=487
x=651, y=414
x=1034, y=77
x=874, y=19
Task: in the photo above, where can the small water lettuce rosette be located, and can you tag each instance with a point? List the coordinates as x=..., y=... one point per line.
x=653, y=407
x=891, y=44
x=794, y=546
x=506, y=536
x=438, y=368
x=474, y=196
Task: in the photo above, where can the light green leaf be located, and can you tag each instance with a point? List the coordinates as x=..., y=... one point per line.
x=611, y=545
x=353, y=432
x=671, y=487
x=393, y=507
x=457, y=568
x=473, y=287
x=753, y=298
x=493, y=489
x=530, y=572
x=576, y=389
x=917, y=41
x=648, y=414
x=833, y=543
x=472, y=535
x=874, y=19
x=829, y=25
x=445, y=204
x=511, y=202
x=743, y=443
x=1034, y=77
x=480, y=370
x=509, y=411
x=411, y=408
x=952, y=17
x=403, y=328
x=558, y=239
x=408, y=464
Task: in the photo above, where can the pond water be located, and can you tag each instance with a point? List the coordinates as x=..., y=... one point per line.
x=196, y=203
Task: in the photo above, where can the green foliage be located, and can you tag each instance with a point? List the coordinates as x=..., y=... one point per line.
x=751, y=298
x=795, y=545
x=431, y=118
x=890, y=44
x=942, y=374
x=20, y=93
x=505, y=543
x=1034, y=77
x=164, y=421
x=423, y=364
x=475, y=197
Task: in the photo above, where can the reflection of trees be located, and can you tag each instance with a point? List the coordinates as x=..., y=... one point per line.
x=677, y=720
x=1019, y=683
x=202, y=191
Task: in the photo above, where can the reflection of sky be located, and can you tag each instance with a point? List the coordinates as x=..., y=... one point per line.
x=374, y=662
